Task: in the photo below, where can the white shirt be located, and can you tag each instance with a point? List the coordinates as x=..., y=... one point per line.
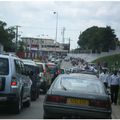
x=114, y=80
x=104, y=77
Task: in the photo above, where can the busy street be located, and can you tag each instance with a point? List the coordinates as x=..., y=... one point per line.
x=35, y=111
x=59, y=59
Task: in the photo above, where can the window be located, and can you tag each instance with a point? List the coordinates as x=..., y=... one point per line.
x=18, y=66
x=81, y=84
x=4, y=66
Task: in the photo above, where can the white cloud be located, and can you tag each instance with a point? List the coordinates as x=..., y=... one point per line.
x=36, y=17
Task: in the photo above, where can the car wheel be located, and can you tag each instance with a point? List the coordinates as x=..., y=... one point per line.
x=18, y=106
x=45, y=116
x=44, y=90
x=27, y=103
x=34, y=96
x=110, y=117
x=48, y=116
x=38, y=94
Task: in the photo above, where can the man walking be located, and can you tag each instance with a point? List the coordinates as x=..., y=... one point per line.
x=104, y=77
x=114, y=87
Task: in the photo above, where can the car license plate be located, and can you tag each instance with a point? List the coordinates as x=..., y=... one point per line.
x=77, y=101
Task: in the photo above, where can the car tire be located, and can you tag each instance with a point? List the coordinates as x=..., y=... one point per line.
x=45, y=90
x=45, y=116
x=110, y=117
x=27, y=103
x=34, y=96
x=48, y=116
x=18, y=106
x=38, y=94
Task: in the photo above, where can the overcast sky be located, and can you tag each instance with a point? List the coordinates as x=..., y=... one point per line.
x=36, y=18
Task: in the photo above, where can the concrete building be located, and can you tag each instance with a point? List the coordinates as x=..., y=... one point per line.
x=36, y=47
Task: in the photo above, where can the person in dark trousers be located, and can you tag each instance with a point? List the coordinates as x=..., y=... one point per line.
x=104, y=77
x=114, y=82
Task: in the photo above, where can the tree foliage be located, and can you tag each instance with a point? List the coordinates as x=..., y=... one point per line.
x=21, y=46
x=98, y=39
x=6, y=37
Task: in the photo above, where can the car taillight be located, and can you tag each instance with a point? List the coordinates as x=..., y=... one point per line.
x=13, y=82
x=100, y=103
x=57, y=99
x=58, y=72
x=44, y=72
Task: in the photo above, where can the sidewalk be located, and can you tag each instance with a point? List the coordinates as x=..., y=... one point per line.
x=115, y=111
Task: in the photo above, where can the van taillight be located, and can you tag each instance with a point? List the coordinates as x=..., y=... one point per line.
x=57, y=99
x=13, y=82
x=100, y=103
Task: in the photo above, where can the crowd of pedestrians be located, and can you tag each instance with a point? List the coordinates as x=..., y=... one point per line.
x=111, y=81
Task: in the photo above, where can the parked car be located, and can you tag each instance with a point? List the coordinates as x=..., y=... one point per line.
x=77, y=96
x=15, y=85
x=33, y=71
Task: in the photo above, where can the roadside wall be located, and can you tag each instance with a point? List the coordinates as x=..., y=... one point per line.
x=92, y=56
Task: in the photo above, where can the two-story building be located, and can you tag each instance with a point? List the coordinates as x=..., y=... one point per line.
x=36, y=47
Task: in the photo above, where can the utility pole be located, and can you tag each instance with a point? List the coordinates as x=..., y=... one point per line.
x=56, y=30
x=69, y=45
x=63, y=33
x=16, y=27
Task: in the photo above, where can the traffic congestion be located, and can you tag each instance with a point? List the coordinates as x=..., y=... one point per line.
x=73, y=88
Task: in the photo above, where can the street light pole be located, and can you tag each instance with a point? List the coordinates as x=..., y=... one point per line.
x=56, y=29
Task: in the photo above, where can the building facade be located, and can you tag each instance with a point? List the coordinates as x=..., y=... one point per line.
x=37, y=47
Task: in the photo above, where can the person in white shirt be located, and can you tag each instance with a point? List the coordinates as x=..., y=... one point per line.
x=114, y=86
x=104, y=77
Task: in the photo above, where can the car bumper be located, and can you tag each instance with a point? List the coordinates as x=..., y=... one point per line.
x=75, y=111
x=7, y=99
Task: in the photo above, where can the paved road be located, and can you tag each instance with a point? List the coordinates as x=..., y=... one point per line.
x=35, y=111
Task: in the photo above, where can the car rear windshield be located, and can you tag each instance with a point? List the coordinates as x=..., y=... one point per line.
x=4, y=66
x=31, y=68
x=52, y=68
x=80, y=84
x=40, y=67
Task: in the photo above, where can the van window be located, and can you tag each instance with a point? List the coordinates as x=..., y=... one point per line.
x=18, y=66
x=4, y=66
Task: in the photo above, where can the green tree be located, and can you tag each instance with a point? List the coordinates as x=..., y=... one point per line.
x=21, y=46
x=98, y=39
x=6, y=37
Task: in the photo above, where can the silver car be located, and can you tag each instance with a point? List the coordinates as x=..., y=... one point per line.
x=77, y=96
x=15, y=86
